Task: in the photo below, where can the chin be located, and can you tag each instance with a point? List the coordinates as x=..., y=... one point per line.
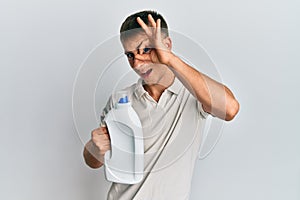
x=149, y=81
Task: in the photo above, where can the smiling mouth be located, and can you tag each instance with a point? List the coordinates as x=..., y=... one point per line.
x=146, y=74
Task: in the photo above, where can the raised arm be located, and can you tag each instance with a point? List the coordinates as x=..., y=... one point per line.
x=215, y=97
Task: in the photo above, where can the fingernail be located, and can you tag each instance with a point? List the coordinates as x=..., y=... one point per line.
x=102, y=125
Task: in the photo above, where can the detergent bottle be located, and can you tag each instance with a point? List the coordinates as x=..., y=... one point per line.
x=124, y=162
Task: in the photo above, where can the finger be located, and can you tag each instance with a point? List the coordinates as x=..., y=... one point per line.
x=144, y=26
x=101, y=133
x=151, y=20
x=106, y=133
x=104, y=130
x=105, y=137
x=158, y=29
x=97, y=134
x=106, y=146
x=104, y=149
x=101, y=130
x=102, y=143
x=146, y=44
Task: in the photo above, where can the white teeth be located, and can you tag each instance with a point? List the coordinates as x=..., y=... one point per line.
x=145, y=73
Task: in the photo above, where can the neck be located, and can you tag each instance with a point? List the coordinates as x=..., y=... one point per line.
x=155, y=90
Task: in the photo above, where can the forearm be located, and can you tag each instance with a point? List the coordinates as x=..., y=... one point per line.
x=216, y=98
x=89, y=156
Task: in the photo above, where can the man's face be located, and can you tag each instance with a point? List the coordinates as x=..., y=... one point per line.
x=139, y=53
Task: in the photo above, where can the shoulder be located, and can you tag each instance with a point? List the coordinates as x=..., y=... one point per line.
x=130, y=90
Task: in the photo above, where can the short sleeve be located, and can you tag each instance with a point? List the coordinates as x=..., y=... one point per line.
x=105, y=110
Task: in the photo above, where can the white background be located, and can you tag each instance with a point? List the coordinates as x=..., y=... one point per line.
x=255, y=45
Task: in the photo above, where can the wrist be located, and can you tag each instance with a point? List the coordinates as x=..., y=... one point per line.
x=173, y=59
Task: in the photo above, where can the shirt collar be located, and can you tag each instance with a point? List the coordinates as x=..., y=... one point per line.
x=174, y=88
x=139, y=89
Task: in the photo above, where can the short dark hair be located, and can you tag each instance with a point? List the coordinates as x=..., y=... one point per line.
x=130, y=26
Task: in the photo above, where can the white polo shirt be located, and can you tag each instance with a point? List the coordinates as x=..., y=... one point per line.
x=172, y=137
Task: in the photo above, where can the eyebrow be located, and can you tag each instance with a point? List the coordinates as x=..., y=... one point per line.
x=138, y=46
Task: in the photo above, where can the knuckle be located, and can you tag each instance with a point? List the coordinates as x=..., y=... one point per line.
x=106, y=137
x=104, y=130
x=94, y=132
x=98, y=144
x=94, y=138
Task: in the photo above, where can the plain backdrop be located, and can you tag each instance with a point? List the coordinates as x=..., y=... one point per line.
x=254, y=44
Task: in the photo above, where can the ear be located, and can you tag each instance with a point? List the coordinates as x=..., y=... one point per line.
x=168, y=43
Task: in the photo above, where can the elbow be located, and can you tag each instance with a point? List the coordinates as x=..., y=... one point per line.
x=232, y=110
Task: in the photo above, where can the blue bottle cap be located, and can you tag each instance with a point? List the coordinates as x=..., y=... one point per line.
x=123, y=100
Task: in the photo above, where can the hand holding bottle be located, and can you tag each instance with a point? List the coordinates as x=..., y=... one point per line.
x=96, y=148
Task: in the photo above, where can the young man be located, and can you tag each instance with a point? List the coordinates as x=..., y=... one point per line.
x=172, y=100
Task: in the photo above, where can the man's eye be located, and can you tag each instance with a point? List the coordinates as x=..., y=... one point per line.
x=147, y=50
x=129, y=55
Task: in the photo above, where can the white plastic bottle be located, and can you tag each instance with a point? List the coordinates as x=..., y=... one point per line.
x=124, y=163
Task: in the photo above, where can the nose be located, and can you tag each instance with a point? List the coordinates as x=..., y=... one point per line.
x=138, y=61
